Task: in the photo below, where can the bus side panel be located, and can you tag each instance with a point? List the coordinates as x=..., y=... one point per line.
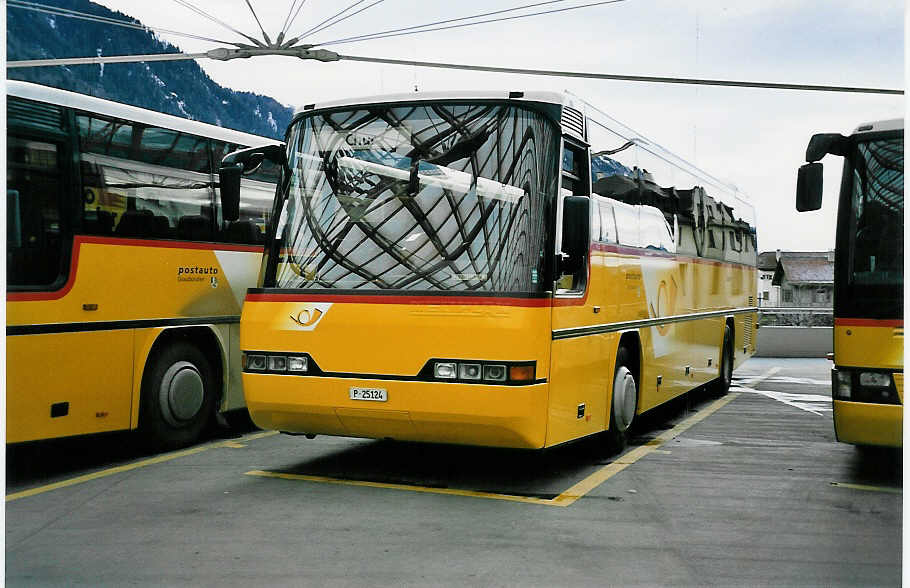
x=666, y=349
x=89, y=371
x=580, y=387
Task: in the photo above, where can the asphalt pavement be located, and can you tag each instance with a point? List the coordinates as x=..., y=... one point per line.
x=746, y=490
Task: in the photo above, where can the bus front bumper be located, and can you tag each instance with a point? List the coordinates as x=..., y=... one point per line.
x=472, y=414
x=862, y=423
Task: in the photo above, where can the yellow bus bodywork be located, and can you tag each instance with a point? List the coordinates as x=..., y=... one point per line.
x=86, y=344
x=355, y=336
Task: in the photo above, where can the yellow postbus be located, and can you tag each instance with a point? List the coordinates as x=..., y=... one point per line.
x=500, y=269
x=124, y=280
x=868, y=373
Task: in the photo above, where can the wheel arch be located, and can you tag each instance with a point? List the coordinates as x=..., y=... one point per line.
x=206, y=339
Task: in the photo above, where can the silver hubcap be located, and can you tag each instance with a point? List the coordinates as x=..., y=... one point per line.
x=624, y=398
x=181, y=393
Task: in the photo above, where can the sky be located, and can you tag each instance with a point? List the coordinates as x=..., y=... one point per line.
x=752, y=138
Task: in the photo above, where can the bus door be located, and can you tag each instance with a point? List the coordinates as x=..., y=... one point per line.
x=578, y=380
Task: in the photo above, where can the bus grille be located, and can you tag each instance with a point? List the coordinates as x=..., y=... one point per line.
x=44, y=116
x=573, y=121
x=747, y=331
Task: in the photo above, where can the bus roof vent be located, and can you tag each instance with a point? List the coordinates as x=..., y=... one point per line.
x=34, y=114
x=573, y=121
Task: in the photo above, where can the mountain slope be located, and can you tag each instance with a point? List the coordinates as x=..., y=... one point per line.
x=180, y=88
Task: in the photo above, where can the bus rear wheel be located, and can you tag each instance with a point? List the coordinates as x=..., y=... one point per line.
x=177, y=396
x=726, y=363
x=623, y=404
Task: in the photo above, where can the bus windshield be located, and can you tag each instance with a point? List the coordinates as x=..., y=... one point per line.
x=430, y=196
x=878, y=211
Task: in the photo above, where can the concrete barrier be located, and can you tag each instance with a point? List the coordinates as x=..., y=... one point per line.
x=794, y=341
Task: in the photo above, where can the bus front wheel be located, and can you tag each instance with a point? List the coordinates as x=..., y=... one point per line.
x=624, y=402
x=177, y=396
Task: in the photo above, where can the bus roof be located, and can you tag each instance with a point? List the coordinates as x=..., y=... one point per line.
x=894, y=124
x=87, y=103
x=558, y=98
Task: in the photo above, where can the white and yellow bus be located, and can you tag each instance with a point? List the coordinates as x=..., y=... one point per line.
x=124, y=281
x=868, y=374
x=500, y=269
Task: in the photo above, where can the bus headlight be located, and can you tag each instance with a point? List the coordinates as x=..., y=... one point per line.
x=254, y=362
x=469, y=371
x=494, y=373
x=297, y=364
x=445, y=371
x=843, y=384
x=278, y=363
x=874, y=379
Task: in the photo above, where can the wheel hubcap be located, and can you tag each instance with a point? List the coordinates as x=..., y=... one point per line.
x=181, y=393
x=624, y=398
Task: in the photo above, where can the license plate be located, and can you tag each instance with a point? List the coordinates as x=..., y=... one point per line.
x=374, y=394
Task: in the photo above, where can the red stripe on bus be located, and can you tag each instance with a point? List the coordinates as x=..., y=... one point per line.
x=78, y=240
x=862, y=322
x=402, y=299
x=168, y=244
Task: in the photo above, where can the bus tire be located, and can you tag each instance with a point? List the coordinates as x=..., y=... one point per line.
x=177, y=396
x=623, y=403
x=726, y=363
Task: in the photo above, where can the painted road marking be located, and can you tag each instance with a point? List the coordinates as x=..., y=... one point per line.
x=887, y=489
x=566, y=498
x=814, y=403
x=133, y=466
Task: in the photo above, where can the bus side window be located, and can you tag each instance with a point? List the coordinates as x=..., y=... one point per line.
x=160, y=189
x=34, y=180
x=607, y=223
x=596, y=233
x=626, y=224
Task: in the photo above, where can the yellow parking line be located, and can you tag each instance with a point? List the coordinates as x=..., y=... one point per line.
x=131, y=466
x=425, y=489
x=566, y=498
x=868, y=488
x=605, y=473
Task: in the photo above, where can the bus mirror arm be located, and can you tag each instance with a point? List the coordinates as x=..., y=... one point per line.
x=235, y=165
x=809, y=187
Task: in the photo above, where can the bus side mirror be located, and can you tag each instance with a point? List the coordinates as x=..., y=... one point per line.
x=244, y=161
x=576, y=230
x=229, y=182
x=809, y=187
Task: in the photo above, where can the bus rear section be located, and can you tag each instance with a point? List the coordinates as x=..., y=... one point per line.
x=422, y=368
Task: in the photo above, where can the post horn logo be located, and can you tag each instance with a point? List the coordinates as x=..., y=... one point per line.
x=310, y=315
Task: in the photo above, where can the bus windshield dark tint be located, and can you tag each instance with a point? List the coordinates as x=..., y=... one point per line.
x=432, y=196
x=878, y=211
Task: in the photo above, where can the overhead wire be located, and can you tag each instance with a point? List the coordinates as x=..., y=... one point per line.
x=412, y=31
x=513, y=9
x=214, y=19
x=75, y=14
x=265, y=35
x=482, y=68
x=291, y=22
x=624, y=77
x=311, y=29
x=331, y=24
